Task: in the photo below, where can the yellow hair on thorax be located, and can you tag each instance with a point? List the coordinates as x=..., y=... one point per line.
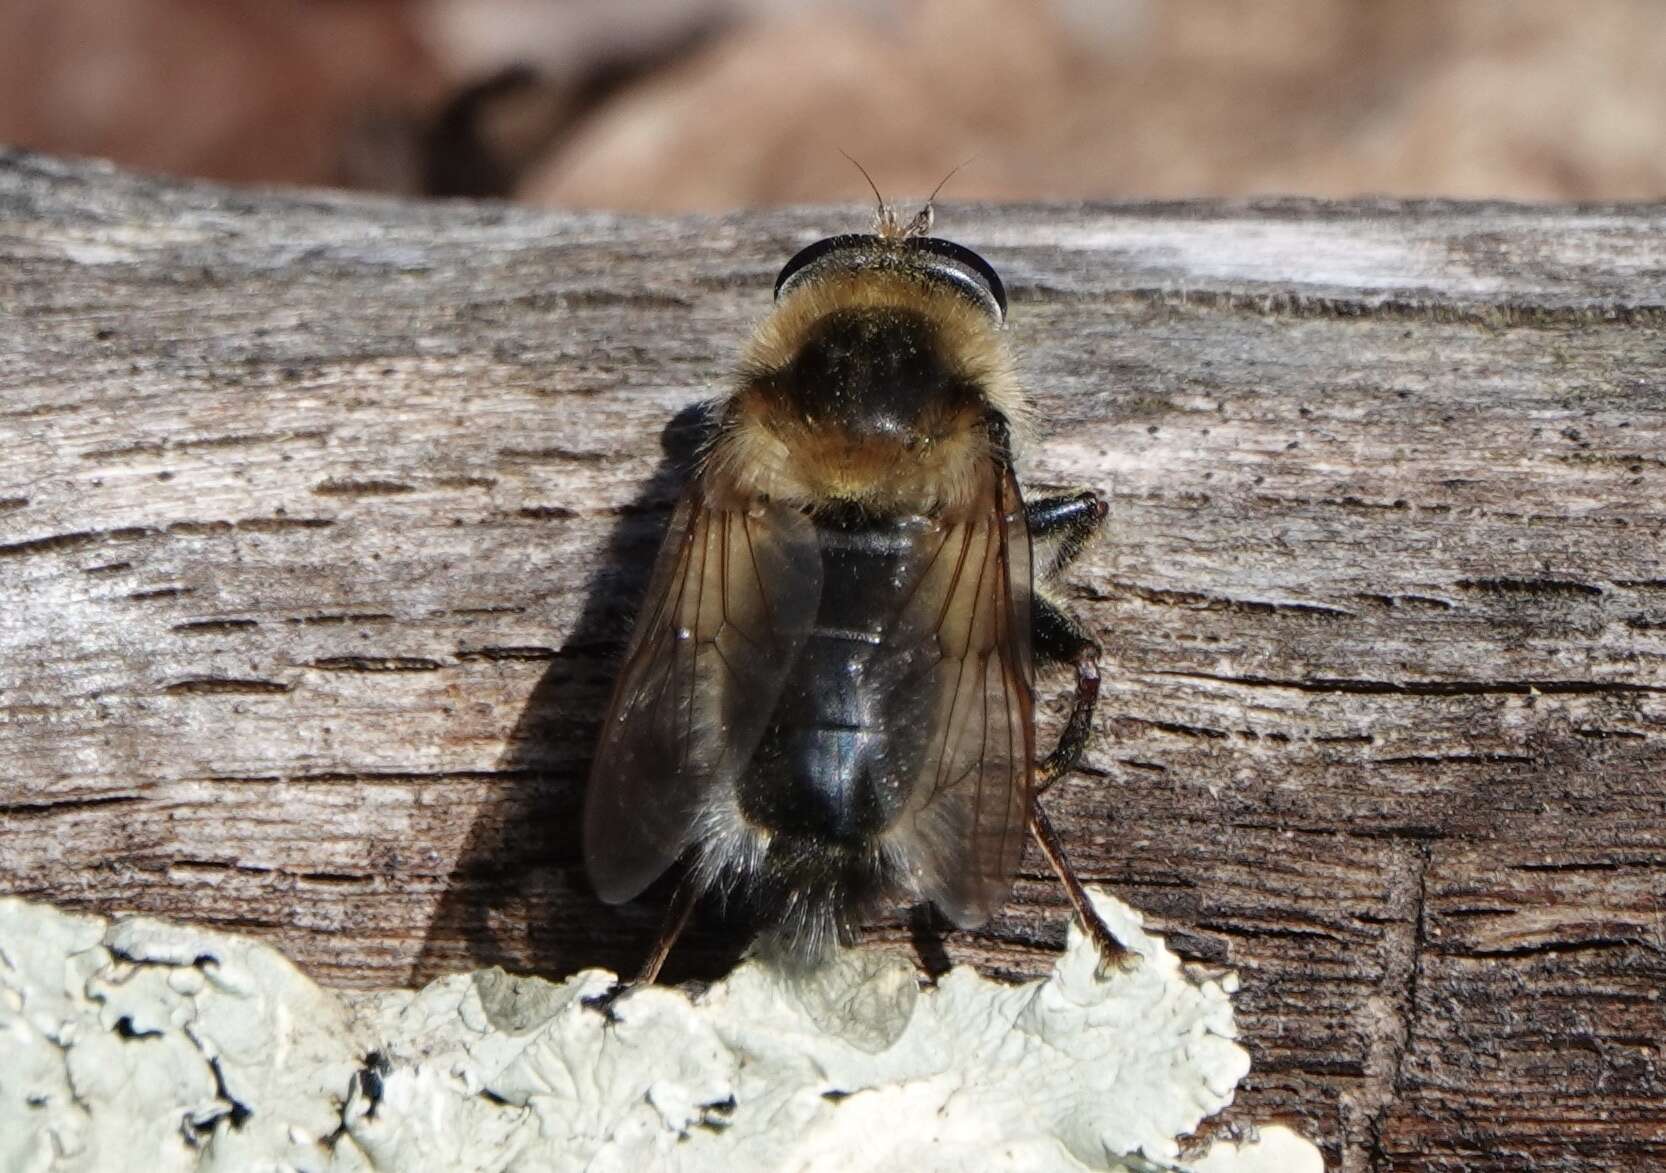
x=757, y=453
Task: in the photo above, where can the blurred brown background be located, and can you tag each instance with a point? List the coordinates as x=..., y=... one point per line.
x=712, y=104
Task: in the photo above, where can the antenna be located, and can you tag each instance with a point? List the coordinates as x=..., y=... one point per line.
x=921, y=223
x=885, y=217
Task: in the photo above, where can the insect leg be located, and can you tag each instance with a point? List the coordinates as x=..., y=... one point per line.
x=1059, y=638
x=676, y=918
x=1065, y=523
x=1111, y=951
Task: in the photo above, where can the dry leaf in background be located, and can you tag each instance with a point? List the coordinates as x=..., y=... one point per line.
x=283, y=91
x=1513, y=98
x=710, y=104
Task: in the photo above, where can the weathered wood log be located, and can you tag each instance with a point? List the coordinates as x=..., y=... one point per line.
x=322, y=518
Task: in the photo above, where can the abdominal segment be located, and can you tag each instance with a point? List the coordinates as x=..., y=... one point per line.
x=837, y=763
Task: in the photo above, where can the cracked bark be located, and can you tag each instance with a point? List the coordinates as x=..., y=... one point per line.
x=322, y=518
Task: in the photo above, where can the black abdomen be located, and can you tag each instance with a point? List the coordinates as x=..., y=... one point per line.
x=835, y=766
x=831, y=761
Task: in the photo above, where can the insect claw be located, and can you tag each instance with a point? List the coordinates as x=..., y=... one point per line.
x=603, y=1003
x=1114, y=956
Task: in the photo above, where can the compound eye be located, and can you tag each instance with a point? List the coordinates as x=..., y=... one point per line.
x=939, y=260
x=968, y=263
x=810, y=254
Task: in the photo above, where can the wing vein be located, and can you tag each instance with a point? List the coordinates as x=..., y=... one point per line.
x=699, y=683
x=967, y=629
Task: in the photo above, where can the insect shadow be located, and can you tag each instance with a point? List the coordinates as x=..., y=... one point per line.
x=517, y=896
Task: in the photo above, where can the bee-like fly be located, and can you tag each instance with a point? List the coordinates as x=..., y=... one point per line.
x=829, y=698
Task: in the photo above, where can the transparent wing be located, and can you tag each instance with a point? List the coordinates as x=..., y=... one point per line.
x=963, y=677
x=729, y=604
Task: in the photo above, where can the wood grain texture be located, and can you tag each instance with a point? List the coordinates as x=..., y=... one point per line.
x=322, y=520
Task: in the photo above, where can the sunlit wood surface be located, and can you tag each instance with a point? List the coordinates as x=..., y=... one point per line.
x=322, y=520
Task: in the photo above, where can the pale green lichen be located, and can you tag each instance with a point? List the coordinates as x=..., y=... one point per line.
x=141, y=1044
